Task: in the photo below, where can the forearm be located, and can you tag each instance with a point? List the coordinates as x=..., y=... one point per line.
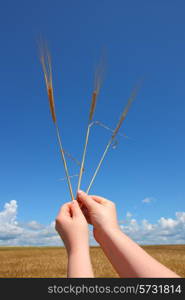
x=129, y=259
x=79, y=264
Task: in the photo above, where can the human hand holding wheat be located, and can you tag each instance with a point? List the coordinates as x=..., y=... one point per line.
x=72, y=227
x=99, y=212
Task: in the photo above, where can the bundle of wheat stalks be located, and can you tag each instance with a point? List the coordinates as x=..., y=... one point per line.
x=46, y=66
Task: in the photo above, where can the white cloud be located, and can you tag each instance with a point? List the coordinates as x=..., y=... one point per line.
x=167, y=223
x=14, y=233
x=32, y=233
x=9, y=214
x=9, y=228
x=34, y=225
x=128, y=215
x=147, y=200
x=146, y=225
x=164, y=231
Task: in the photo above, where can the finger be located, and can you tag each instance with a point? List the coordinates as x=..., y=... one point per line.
x=86, y=214
x=75, y=208
x=86, y=200
x=79, y=202
x=98, y=199
x=65, y=210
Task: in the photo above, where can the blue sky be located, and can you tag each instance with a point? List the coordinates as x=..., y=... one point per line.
x=140, y=39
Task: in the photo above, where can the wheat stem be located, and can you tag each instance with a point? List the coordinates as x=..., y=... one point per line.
x=99, y=165
x=83, y=157
x=98, y=81
x=72, y=158
x=92, y=109
x=64, y=162
x=46, y=66
x=122, y=118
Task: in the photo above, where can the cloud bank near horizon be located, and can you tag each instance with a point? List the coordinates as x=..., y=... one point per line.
x=15, y=233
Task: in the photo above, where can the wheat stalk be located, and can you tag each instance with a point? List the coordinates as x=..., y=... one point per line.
x=98, y=82
x=115, y=132
x=72, y=158
x=46, y=66
x=108, y=128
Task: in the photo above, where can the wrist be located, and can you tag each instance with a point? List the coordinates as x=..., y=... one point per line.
x=78, y=249
x=101, y=234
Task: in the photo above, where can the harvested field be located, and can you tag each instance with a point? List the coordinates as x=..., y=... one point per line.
x=52, y=261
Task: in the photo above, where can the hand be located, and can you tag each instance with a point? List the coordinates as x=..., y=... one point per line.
x=72, y=227
x=99, y=212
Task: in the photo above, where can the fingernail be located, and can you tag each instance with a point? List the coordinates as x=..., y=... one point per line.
x=80, y=192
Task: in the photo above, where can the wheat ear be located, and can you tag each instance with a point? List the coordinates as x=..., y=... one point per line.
x=98, y=82
x=46, y=66
x=122, y=118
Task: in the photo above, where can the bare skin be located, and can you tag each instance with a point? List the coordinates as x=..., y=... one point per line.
x=73, y=229
x=127, y=257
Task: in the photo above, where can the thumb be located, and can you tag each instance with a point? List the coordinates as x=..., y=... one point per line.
x=76, y=211
x=86, y=200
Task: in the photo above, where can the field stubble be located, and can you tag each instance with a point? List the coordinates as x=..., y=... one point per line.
x=52, y=261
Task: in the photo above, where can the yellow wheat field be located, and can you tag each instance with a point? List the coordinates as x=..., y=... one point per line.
x=51, y=261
